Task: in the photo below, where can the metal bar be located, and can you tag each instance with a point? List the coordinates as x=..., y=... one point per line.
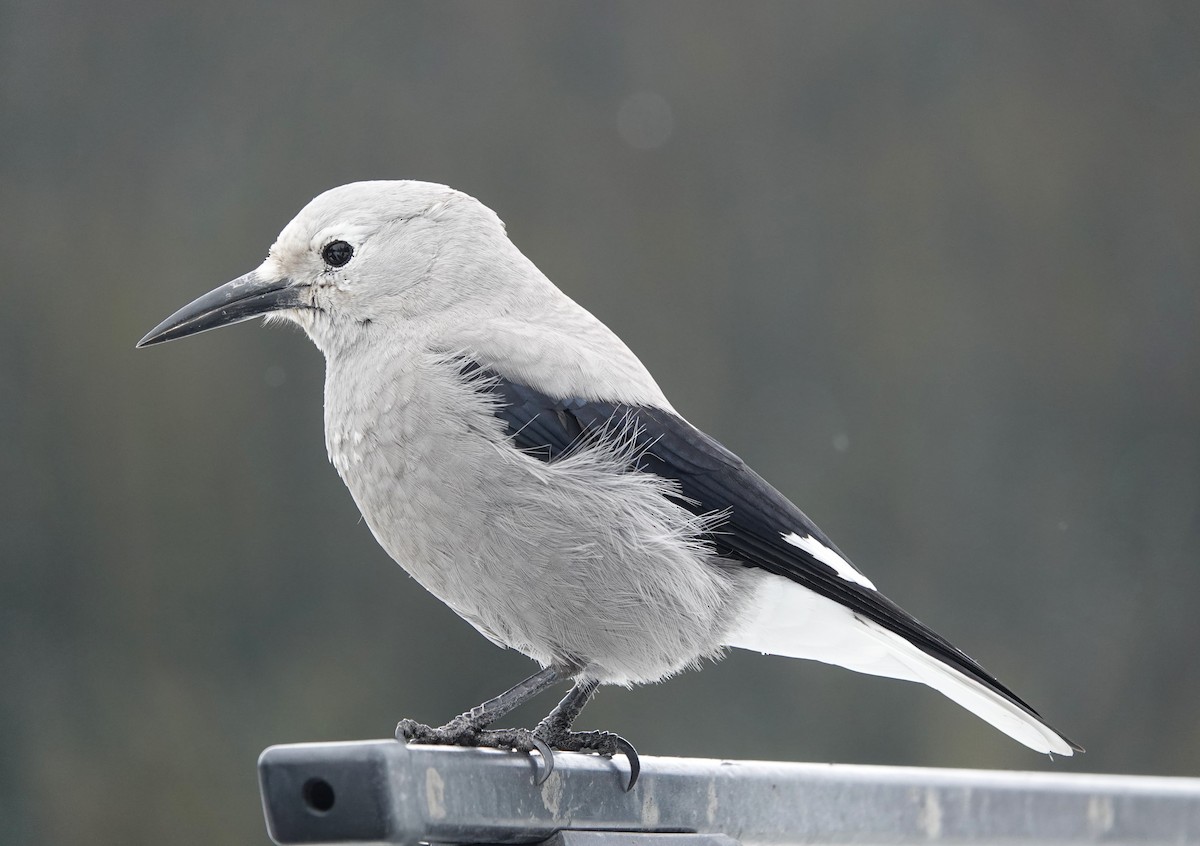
x=388, y=792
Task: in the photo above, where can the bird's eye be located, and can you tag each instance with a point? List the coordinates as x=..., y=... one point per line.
x=337, y=253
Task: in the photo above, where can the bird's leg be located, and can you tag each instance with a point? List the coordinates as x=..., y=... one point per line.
x=560, y=720
x=555, y=730
x=467, y=728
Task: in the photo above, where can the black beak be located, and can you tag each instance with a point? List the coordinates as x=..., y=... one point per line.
x=245, y=297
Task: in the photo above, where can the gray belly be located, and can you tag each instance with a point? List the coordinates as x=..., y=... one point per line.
x=574, y=562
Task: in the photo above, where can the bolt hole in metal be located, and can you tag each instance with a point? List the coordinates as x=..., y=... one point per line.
x=318, y=795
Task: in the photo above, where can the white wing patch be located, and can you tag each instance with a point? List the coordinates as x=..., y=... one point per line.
x=826, y=555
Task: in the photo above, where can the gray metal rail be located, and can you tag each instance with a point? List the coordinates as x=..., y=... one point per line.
x=387, y=792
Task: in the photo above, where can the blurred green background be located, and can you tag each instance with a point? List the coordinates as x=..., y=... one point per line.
x=932, y=268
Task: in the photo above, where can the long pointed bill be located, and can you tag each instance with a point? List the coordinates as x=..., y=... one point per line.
x=245, y=297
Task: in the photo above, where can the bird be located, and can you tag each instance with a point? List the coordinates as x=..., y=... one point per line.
x=519, y=461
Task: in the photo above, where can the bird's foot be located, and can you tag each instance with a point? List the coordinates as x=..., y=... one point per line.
x=544, y=739
x=604, y=743
x=459, y=732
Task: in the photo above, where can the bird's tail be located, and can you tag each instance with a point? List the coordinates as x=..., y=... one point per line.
x=790, y=620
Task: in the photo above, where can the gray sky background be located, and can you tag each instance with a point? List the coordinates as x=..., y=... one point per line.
x=932, y=268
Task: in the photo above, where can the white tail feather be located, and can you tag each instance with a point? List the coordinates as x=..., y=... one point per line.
x=793, y=621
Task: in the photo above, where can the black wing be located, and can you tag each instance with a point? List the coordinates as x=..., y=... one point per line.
x=712, y=479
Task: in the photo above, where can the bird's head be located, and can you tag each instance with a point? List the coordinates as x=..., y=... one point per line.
x=360, y=259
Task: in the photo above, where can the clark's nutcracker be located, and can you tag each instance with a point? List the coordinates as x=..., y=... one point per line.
x=515, y=457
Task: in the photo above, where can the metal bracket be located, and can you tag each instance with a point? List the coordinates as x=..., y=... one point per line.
x=388, y=792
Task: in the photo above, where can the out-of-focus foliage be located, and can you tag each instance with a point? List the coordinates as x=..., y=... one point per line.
x=931, y=267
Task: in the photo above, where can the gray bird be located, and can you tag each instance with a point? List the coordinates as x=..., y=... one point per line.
x=519, y=461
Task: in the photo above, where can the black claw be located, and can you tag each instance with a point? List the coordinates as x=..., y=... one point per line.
x=631, y=755
x=602, y=743
x=547, y=754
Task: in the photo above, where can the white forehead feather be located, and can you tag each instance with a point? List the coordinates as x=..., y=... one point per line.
x=353, y=211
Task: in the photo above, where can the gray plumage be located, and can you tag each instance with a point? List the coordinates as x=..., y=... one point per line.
x=465, y=408
x=534, y=555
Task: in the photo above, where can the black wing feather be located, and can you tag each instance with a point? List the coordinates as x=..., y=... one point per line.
x=712, y=479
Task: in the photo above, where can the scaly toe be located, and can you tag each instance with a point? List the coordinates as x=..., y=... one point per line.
x=411, y=730
x=452, y=734
x=603, y=743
